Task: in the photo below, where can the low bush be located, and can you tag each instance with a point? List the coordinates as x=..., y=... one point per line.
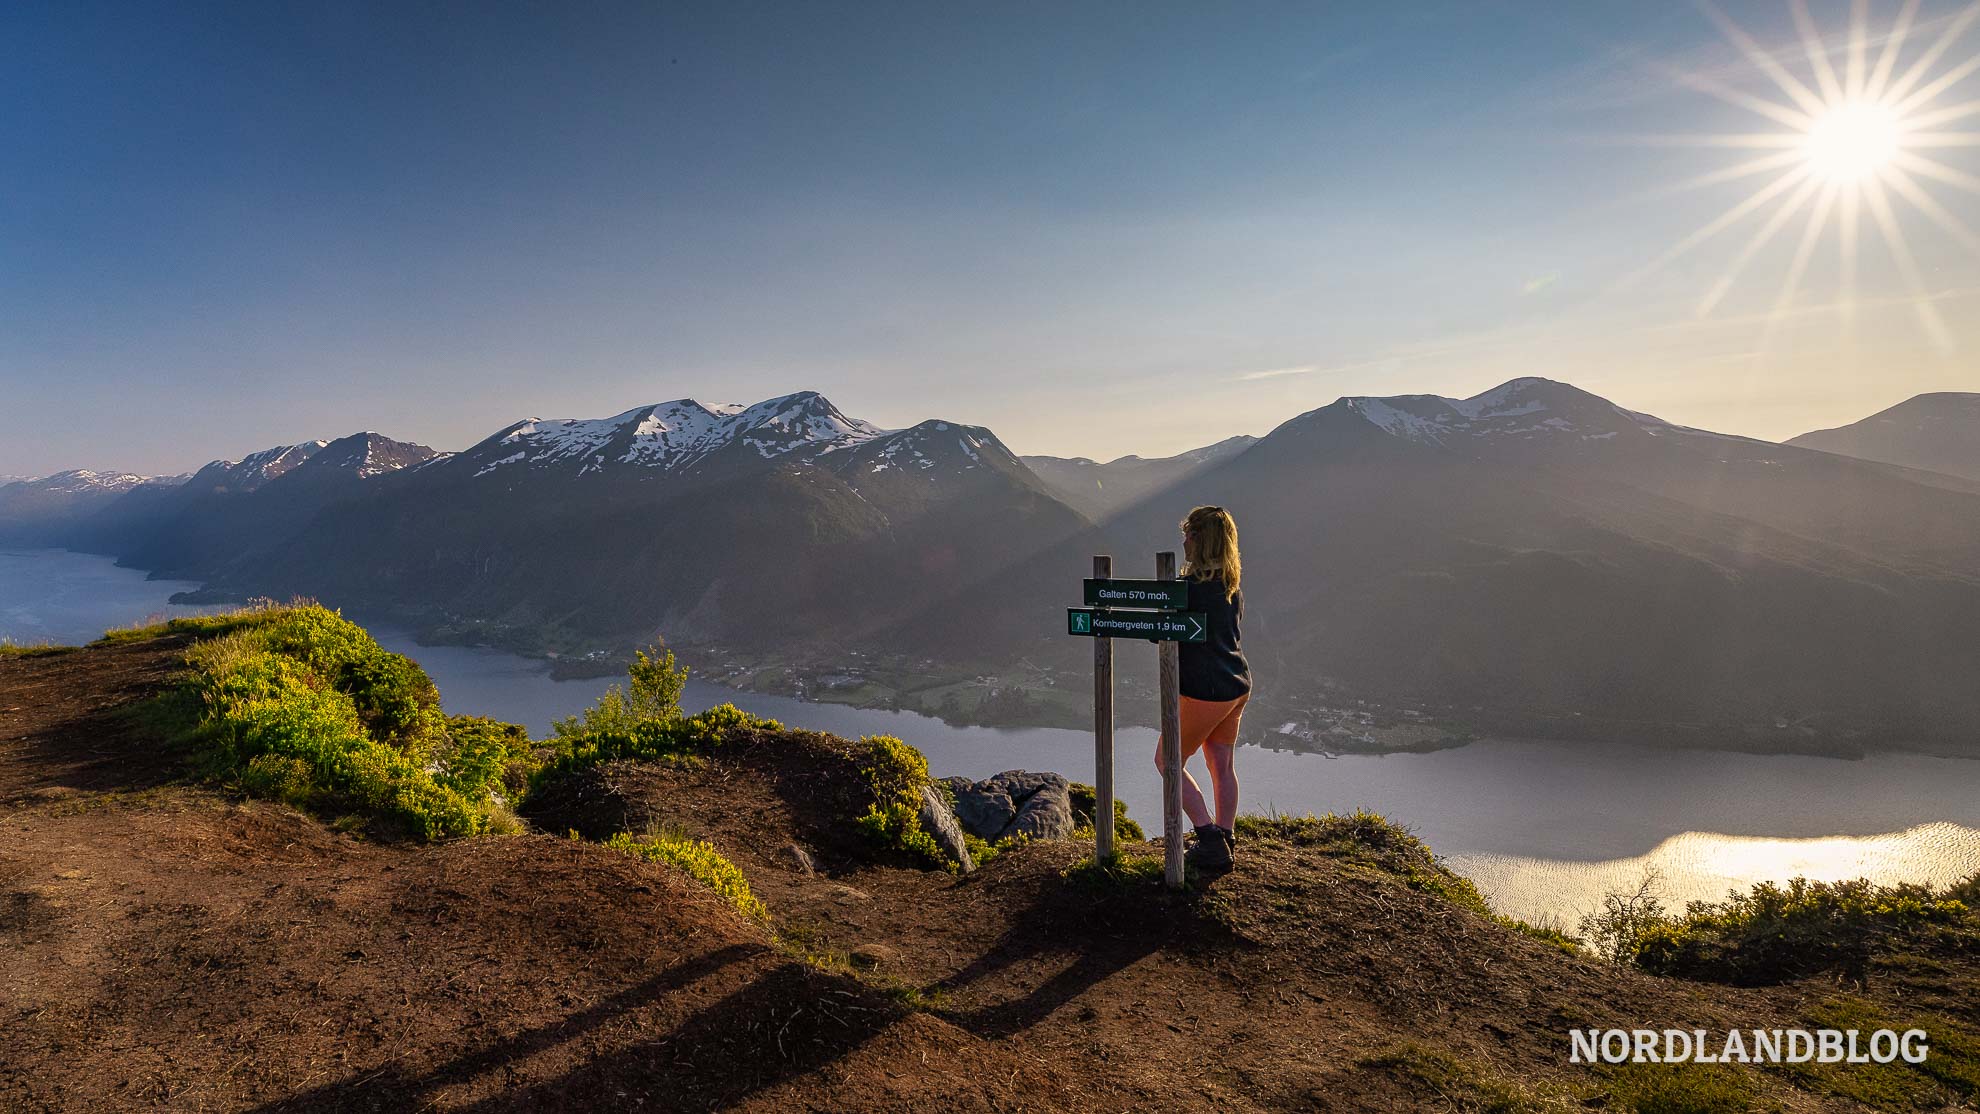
x=299, y=704
x=651, y=740
x=1086, y=802
x=652, y=694
x=699, y=860
x=897, y=773
x=1774, y=933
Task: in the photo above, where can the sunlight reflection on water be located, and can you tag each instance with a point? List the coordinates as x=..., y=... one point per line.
x=1702, y=866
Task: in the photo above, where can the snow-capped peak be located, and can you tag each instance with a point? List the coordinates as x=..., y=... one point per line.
x=674, y=435
x=1524, y=409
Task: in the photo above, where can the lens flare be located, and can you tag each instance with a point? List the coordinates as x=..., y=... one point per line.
x=1847, y=144
x=1853, y=141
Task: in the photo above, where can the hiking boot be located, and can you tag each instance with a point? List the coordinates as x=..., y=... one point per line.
x=1212, y=850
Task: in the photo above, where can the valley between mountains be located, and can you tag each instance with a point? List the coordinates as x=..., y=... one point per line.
x=1534, y=561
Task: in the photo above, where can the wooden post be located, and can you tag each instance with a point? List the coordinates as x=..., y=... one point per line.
x=1103, y=731
x=1172, y=815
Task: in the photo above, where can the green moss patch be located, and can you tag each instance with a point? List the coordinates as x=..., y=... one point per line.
x=699, y=860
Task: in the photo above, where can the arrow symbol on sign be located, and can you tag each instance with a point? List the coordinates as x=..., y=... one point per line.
x=1198, y=624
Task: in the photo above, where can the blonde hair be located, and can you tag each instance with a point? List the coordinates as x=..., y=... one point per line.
x=1210, y=546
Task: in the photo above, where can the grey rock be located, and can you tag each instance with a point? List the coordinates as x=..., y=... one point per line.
x=1015, y=803
x=939, y=822
x=983, y=811
x=1023, y=783
x=1046, y=814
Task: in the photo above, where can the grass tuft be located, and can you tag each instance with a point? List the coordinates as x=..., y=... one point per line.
x=699, y=860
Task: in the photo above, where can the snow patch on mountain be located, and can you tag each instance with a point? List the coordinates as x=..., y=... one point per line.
x=1525, y=409
x=674, y=435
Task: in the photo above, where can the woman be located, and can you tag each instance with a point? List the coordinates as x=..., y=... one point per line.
x=1216, y=681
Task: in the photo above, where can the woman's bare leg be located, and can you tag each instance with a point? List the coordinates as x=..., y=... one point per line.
x=1222, y=760
x=1193, y=803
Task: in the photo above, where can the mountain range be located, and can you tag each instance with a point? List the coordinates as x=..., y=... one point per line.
x=1097, y=490
x=1534, y=558
x=1935, y=432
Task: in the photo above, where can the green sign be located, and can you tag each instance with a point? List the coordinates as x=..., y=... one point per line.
x=1156, y=626
x=1165, y=595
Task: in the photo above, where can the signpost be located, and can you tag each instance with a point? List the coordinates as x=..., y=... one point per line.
x=1156, y=610
x=1168, y=658
x=1155, y=626
x=1166, y=595
x=1103, y=728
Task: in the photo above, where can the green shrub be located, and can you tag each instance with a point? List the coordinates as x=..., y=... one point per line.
x=651, y=740
x=278, y=778
x=1617, y=931
x=485, y=753
x=1086, y=800
x=652, y=694
x=1772, y=933
x=299, y=704
x=897, y=773
x=700, y=861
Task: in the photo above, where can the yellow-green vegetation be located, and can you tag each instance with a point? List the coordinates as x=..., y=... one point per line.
x=652, y=694
x=1774, y=933
x=1458, y=1083
x=1116, y=871
x=642, y=721
x=699, y=860
x=299, y=704
x=1683, y=1088
x=897, y=773
x=653, y=740
x=221, y=622
x=982, y=850
x=1086, y=799
x=1371, y=841
x=12, y=649
x=1949, y=1075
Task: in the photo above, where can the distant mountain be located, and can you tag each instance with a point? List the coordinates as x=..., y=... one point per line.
x=232, y=508
x=1536, y=558
x=786, y=521
x=1098, y=490
x=38, y=512
x=1936, y=432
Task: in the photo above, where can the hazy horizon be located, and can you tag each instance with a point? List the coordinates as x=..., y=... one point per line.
x=1097, y=231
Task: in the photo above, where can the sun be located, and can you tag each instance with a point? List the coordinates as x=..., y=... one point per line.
x=1872, y=129
x=1853, y=141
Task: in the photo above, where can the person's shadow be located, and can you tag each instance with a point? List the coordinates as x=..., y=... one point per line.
x=1102, y=926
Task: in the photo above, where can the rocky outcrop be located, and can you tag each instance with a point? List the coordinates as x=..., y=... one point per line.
x=1014, y=803
x=939, y=822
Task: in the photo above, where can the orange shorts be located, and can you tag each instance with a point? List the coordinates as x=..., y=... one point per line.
x=1210, y=721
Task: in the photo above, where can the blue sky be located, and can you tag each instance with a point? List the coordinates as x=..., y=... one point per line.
x=1096, y=228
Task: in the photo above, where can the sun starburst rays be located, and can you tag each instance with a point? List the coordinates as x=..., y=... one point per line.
x=1850, y=151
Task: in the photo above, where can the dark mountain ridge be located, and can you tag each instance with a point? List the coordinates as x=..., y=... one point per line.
x=1536, y=558
x=745, y=526
x=1097, y=490
x=1935, y=432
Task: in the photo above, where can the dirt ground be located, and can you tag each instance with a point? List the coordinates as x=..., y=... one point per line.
x=164, y=945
